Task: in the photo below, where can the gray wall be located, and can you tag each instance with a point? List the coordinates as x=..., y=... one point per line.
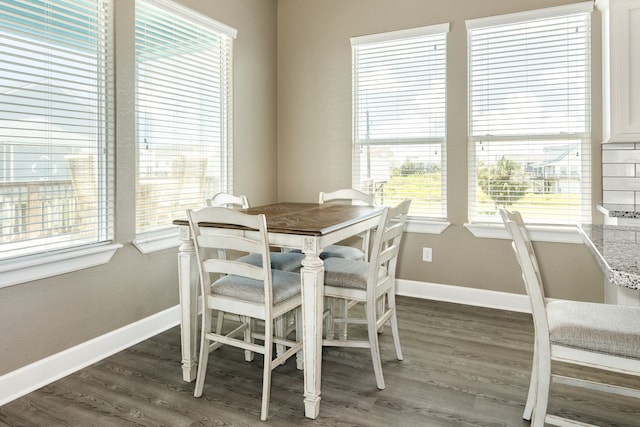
x=314, y=134
x=44, y=317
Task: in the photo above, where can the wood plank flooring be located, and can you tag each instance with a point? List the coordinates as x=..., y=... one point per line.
x=463, y=366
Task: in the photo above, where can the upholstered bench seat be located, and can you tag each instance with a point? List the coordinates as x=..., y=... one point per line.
x=604, y=328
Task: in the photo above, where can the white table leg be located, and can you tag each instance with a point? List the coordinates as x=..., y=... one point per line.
x=188, y=292
x=312, y=276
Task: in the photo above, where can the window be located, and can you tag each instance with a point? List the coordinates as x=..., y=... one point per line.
x=530, y=115
x=399, y=118
x=56, y=126
x=183, y=112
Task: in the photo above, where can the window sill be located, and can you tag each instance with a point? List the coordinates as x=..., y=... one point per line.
x=149, y=243
x=426, y=227
x=44, y=266
x=538, y=233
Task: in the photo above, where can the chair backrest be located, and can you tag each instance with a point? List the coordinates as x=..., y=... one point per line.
x=352, y=197
x=526, y=257
x=228, y=201
x=347, y=195
x=386, y=245
x=247, y=234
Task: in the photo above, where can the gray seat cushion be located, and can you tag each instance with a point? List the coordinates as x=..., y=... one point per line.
x=605, y=328
x=285, y=261
x=347, y=273
x=340, y=251
x=285, y=285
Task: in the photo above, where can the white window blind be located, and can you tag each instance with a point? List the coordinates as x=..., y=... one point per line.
x=399, y=118
x=183, y=112
x=56, y=125
x=530, y=115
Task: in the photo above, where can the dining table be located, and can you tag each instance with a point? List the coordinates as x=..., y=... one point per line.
x=308, y=227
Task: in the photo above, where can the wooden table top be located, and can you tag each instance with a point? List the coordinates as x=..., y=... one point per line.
x=309, y=219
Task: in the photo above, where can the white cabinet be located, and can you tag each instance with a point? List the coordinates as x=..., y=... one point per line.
x=621, y=69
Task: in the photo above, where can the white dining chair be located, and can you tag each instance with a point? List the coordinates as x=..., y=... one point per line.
x=286, y=261
x=351, y=196
x=228, y=200
x=602, y=336
x=248, y=291
x=346, y=250
x=370, y=282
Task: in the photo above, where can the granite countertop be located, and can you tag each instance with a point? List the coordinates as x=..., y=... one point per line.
x=620, y=211
x=617, y=250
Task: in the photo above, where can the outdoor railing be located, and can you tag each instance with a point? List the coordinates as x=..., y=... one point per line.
x=36, y=209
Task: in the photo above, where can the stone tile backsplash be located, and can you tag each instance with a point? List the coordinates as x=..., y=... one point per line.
x=621, y=174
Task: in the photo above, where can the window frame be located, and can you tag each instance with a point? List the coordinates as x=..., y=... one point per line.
x=420, y=224
x=546, y=231
x=96, y=248
x=166, y=236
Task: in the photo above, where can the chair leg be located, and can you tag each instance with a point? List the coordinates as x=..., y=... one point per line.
x=381, y=309
x=328, y=320
x=341, y=310
x=281, y=332
x=542, y=387
x=299, y=337
x=220, y=322
x=248, y=355
x=533, y=381
x=204, y=353
x=394, y=323
x=370, y=312
x=266, y=375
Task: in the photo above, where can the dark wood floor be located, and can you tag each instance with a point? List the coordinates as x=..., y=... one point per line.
x=463, y=366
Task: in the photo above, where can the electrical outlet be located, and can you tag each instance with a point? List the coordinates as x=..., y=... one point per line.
x=426, y=254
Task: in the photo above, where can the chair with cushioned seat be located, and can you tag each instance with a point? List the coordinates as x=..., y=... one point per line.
x=372, y=283
x=601, y=336
x=348, y=251
x=248, y=291
x=286, y=261
x=351, y=196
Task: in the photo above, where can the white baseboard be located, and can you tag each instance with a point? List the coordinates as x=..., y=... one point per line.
x=464, y=295
x=16, y=384
x=22, y=381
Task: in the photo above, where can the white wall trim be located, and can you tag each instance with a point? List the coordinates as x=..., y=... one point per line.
x=463, y=295
x=42, y=266
x=16, y=384
x=537, y=233
x=148, y=243
x=22, y=381
x=401, y=34
x=427, y=227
